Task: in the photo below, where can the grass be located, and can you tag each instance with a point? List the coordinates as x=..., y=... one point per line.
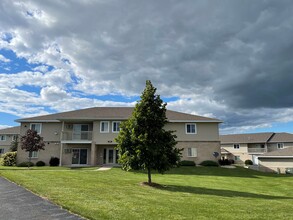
x=187, y=192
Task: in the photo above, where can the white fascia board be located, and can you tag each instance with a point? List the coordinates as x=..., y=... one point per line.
x=32, y=120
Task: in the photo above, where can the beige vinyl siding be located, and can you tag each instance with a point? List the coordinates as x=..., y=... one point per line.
x=273, y=164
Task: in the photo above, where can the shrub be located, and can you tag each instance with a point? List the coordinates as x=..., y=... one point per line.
x=40, y=163
x=54, y=161
x=209, y=163
x=9, y=159
x=248, y=162
x=187, y=163
x=1, y=161
x=26, y=164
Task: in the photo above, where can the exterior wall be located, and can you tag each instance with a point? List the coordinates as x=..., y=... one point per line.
x=103, y=138
x=49, y=131
x=6, y=145
x=273, y=146
x=205, y=131
x=205, y=150
x=51, y=150
x=273, y=164
x=242, y=152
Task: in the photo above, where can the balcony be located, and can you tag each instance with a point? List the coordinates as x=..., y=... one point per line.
x=77, y=137
x=256, y=150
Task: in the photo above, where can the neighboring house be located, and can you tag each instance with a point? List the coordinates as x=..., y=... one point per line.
x=86, y=137
x=276, y=161
x=241, y=147
x=7, y=136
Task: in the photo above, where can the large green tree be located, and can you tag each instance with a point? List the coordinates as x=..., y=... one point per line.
x=143, y=143
x=31, y=142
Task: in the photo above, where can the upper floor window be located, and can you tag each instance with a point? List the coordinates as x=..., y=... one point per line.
x=116, y=126
x=14, y=137
x=104, y=127
x=280, y=145
x=191, y=152
x=2, y=137
x=36, y=127
x=190, y=128
x=236, y=146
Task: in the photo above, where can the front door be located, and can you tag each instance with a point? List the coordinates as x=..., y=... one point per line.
x=79, y=156
x=110, y=156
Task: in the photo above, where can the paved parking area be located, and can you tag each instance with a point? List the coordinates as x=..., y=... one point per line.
x=17, y=203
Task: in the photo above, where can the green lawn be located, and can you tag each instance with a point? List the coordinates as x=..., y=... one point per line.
x=188, y=193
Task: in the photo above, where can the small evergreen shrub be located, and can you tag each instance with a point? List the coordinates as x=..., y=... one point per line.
x=54, y=161
x=40, y=163
x=225, y=162
x=9, y=159
x=209, y=163
x=187, y=163
x=26, y=164
x=1, y=161
x=248, y=162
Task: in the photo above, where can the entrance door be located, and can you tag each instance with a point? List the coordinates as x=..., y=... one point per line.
x=110, y=156
x=79, y=156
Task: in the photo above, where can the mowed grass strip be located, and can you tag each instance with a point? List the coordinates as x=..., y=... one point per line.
x=186, y=192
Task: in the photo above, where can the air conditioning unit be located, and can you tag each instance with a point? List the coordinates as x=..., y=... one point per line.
x=68, y=126
x=67, y=150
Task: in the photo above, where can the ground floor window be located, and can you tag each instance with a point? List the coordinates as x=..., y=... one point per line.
x=280, y=145
x=236, y=158
x=191, y=152
x=34, y=154
x=1, y=150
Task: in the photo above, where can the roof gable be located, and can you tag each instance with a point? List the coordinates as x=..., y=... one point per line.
x=11, y=130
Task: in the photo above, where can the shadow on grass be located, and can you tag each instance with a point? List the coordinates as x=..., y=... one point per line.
x=218, y=192
x=219, y=171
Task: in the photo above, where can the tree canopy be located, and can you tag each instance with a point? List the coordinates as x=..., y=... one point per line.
x=143, y=143
x=31, y=141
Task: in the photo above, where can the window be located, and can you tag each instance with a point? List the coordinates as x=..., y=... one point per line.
x=1, y=150
x=237, y=158
x=236, y=146
x=116, y=126
x=280, y=145
x=36, y=127
x=104, y=127
x=34, y=154
x=191, y=152
x=2, y=137
x=190, y=128
x=14, y=137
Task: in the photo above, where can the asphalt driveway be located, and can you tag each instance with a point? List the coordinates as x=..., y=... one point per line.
x=17, y=203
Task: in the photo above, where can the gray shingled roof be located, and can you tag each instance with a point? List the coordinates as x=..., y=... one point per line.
x=282, y=137
x=245, y=138
x=286, y=152
x=11, y=130
x=121, y=113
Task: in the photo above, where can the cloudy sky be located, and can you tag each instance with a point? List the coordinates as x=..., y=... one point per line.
x=232, y=60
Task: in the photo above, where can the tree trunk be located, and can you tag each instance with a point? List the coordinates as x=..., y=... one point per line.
x=29, y=160
x=149, y=176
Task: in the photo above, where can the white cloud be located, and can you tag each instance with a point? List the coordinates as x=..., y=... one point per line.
x=4, y=59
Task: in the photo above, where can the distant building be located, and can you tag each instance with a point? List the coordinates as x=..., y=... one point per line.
x=7, y=136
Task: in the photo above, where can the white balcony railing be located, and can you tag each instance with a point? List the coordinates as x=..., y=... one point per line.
x=77, y=136
x=256, y=150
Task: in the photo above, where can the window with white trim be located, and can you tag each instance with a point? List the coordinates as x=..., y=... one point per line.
x=190, y=128
x=191, y=152
x=116, y=126
x=280, y=145
x=2, y=137
x=34, y=154
x=104, y=127
x=36, y=127
x=2, y=151
x=236, y=146
x=236, y=158
x=14, y=137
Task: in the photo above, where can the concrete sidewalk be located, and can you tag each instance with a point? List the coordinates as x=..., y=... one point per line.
x=17, y=203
